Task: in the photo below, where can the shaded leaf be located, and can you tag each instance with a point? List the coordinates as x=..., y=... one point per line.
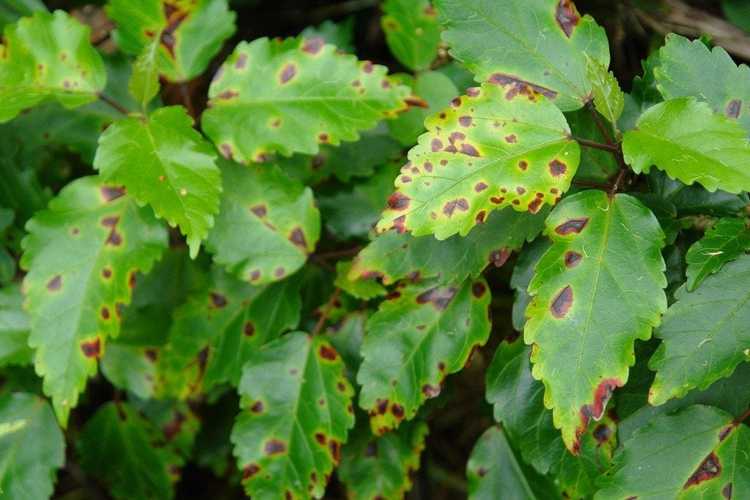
x=393, y=256
x=696, y=453
x=164, y=162
x=722, y=243
x=296, y=415
x=144, y=82
x=48, y=56
x=14, y=328
x=608, y=97
x=523, y=272
x=694, y=199
x=82, y=255
x=690, y=142
x=32, y=447
x=414, y=340
x=597, y=289
x=487, y=151
x=11, y=10
x=361, y=289
x=537, y=44
x=267, y=225
x=291, y=96
x=412, y=32
x=187, y=34
x=596, y=165
x=704, y=334
x=340, y=34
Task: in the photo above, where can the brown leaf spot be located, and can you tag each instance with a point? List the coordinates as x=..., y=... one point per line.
x=323, y=137
x=572, y=226
x=313, y=45
x=557, y=168
x=91, y=348
x=481, y=472
x=173, y=427
x=320, y=438
x=602, y=433
x=405, y=179
x=520, y=189
x=110, y=193
x=106, y=273
x=427, y=166
x=438, y=297
x=151, y=354
x=572, y=259
x=478, y=289
x=259, y=210
x=726, y=491
x=218, y=300
x=257, y=407
x=328, y=353
x=248, y=329
x=255, y=275
x=497, y=199
x=297, y=237
x=104, y=313
x=499, y=257
x=367, y=67
x=436, y=145
x=708, y=469
x=250, y=471
x=274, y=447
x=55, y=283
x=398, y=201
x=469, y=150
x=335, y=448
x=279, y=272
x=518, y=86
x=733, y=108
x=399, y=224
x=241, y=62
x=535, y=205
x=431, y=391
x=465, y=121
x=523, y=164
x=473, y=92
x=397, y=410
x=511, y=139
x=227, y=95
x=460, y=204
x=480, y=186
x=567, y=16
x=287, y=73
x=480, y=217
x=562, y=302
x=226, y=151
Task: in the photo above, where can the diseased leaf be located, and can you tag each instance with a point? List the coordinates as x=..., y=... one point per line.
x=339, y=34
x=14, y=328
x=82, y=255
x=690, y=142
x=704, y=333
x=393, y=256
x=597, y=289
x=291, y=96
x=131, y=368
x=608, y=97
x=382, y=467
x=364, y=289
x=267, y=224
x=699, y=452
x=164, y=162
x=690, y=69
x=722, y=243
x=144, y=82
x=48, y=56
x=296, y=415
x=220, y=327
x=32, y=447
x=188, y=34
x=418, y=337
x=123, y=450
x=535, y=44
x=494, y=471
x=412, y=32
x=489, y=150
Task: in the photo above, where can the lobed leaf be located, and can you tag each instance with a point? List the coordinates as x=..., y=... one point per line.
x=187, y=34
x=595, y=291
x=416, y=338
x=267, y=225
x=722, y=243
x=690, y=142
x=393, y=256
x=32, y=447
x=48, y=57
x=696, y=453
x=164, y=162
x=412, y=32
x=291, y=96
x=296, y=415
x=535, y=44
x=82, y=255
x=704, y=334
x=489, y=150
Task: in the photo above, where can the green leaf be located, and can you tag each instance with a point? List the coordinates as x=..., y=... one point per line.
x=696, y=453
x=188, y=34
x=123, y=450
x=81, y=255
x=704, y=334
x=437, y=90
x=14, y=328
x=32, y=447
x=291, y=96
x=494, y=472
x=690, y=69
x=346, y=336
x=164, y=162
x=523, y=272
x=487, y=151
x=722, y=243
x=297, y=413
x=393, y=256
x=144, y=82
x=220, y=327
x=417, y=338
x=339, y=34
x=596, y=290
x=537, y=44
x=690, y=142
x=131, y=368
x=48, y=56
x=382, y=467
x=359, y=289
x=695, y=200
x=737, y=12
x=412, y=32
x=11, y=10
x=596, y=165
x=267, y=225
x=608, y=97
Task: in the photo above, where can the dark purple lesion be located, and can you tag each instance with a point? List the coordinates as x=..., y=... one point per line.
x=567, y=16
x=734, y=108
